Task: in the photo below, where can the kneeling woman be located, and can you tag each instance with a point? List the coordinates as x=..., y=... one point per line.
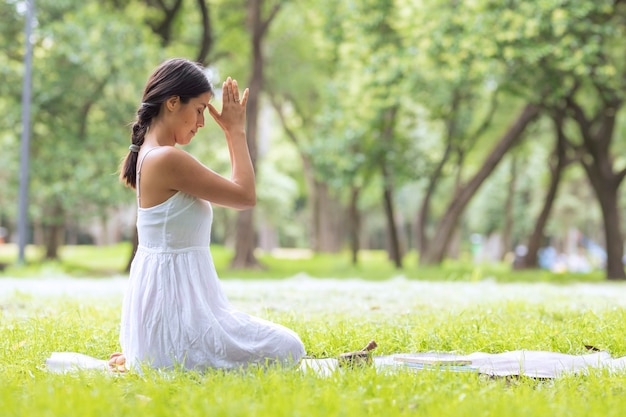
x=175, y=313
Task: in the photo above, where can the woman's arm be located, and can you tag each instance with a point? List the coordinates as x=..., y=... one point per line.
x=183, y=172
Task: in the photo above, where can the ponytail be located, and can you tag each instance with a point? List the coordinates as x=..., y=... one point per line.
x=128, y=171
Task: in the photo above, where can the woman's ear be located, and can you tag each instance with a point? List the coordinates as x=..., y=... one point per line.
x=172, y=102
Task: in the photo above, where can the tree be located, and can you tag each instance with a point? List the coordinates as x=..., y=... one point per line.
x=245, y=239
x=368, y=138
x=446, y=225
x=460, y=90
x=559, y=160
x=171, y=20
x=76, y=73
x=300, y=89
x=579, y=48
x=11, y=64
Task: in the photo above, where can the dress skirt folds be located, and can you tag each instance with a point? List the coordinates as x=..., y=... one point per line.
x=175, y=312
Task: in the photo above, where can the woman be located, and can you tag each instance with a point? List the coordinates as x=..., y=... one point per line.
x=175, y=313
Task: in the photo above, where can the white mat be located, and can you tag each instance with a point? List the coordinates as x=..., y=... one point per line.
x=531, y=363
x=535, y=364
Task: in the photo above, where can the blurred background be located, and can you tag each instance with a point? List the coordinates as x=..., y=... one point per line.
x=478, y=131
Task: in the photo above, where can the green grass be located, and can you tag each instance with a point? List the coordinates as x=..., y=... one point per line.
x=31, y=328
x=101, y=261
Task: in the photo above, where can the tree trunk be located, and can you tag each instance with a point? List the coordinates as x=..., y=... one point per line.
x=452, y=132
x=507, y=230
x=536, y=239
x=608, y=197
x=328, y=221
x=309, y=180
x=53, y=241
x=395, y=252
x=421, y=241
x=453, y=250
x=325, y=222
x=245, y=241
x=354, y=220
x=422, y=217
x=53, y=232
x=606, y=189
x=437, y=249
x=597, y=135
x=387, y=138
x=324, y=233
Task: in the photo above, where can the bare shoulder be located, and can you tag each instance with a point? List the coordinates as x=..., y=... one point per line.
x=170, y=159
x=175, y=168
x=167, y=154
x=168, y=165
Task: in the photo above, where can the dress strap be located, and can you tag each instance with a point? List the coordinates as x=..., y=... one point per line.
x=139, y=174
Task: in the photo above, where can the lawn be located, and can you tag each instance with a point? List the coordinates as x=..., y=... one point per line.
x=332, y=315
x=104, y=261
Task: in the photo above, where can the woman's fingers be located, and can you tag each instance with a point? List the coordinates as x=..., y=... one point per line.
x=217, y=116
x=244, y=97
x=233, y=108
x=235, y=89
x=212, y=110
x=230, y=91
x=230, y=94
x=225, y=92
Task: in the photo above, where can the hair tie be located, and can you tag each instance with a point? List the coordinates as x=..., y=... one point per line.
x=147, y=104
x=133, y=148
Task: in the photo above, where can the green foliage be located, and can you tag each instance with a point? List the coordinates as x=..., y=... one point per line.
x=87, y=65
x=337, y=71
x=96, y=56
x=572, y=42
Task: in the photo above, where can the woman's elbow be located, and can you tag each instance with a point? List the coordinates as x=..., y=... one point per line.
x=247, y=203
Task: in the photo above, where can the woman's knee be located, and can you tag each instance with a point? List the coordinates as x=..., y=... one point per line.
x=293, y=350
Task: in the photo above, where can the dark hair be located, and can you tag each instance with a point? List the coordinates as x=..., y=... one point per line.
x=174, y=77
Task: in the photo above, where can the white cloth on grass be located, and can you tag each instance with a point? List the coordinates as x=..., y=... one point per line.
x=530, y=363
x=60, y=362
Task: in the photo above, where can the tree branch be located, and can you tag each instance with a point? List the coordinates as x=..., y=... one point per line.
x=290, y=133
x=486, y=121
x=86, y=108
x=619, y=176
x=164, y=28
x=265, y=23
x=206, y=42
x=584, y=123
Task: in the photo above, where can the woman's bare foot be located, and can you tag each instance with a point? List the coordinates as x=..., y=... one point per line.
x=117, y=362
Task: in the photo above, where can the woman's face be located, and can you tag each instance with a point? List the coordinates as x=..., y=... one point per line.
x=189, y=117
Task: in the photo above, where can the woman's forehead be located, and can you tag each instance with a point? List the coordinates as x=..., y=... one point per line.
x=203, y=98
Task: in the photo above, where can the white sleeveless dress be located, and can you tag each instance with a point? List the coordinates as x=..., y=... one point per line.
x=175, y=312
